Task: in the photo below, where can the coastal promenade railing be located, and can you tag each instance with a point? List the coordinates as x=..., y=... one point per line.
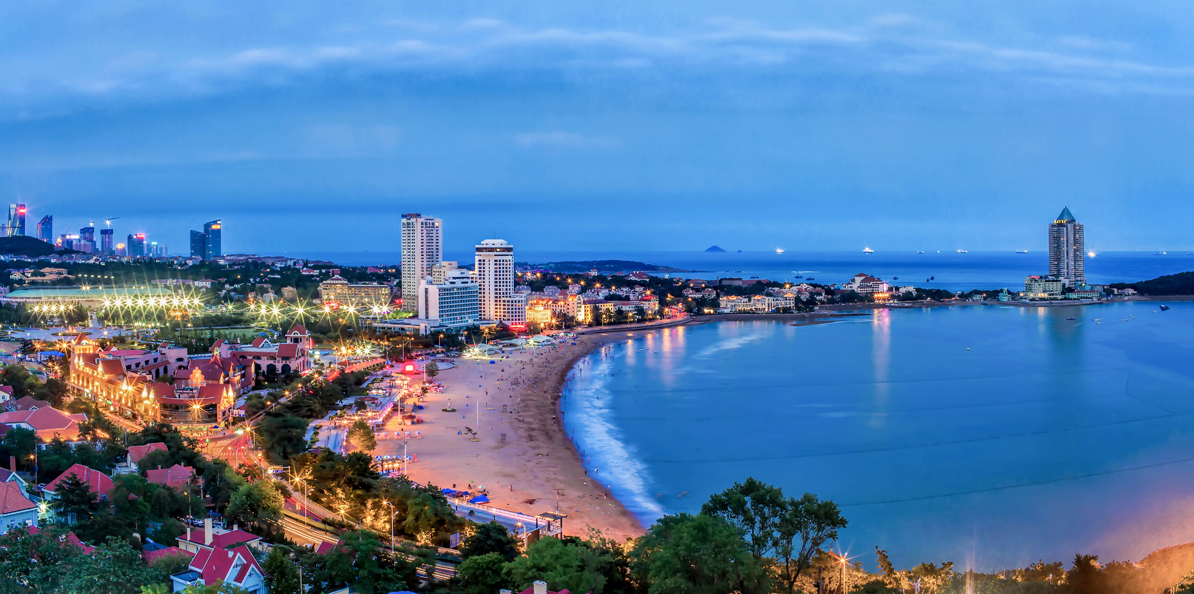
x=520, y=524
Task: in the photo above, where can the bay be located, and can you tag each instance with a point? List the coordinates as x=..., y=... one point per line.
x=991, y=436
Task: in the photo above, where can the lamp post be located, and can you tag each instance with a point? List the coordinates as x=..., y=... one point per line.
x=393, y=512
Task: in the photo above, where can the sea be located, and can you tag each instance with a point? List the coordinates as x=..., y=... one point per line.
x=990, y=436
x=943, y=270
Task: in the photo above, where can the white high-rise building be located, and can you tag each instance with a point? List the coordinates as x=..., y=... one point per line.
x=495, y=277
x=422, y=248
x=1067, y=250
x=450, y=303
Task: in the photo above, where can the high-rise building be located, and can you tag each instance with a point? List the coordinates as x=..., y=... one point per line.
x=16, y=221
x=45, y=229
x=106, y=242
x=1067, y=250
x=212, y=248
x=198, y=244
x=495, y=277
x=86, y=241
x=422, y=248
x=136, y=246
x=206, y=244
x=453, y=302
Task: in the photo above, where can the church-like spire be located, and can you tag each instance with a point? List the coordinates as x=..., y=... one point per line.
x=1065, y=216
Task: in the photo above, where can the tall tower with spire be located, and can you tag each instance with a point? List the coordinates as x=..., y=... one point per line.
x=1067, y=250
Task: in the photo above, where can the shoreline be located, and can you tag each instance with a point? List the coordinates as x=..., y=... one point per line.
x=537, y=468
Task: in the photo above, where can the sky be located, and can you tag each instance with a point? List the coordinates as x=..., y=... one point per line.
x=310, y=127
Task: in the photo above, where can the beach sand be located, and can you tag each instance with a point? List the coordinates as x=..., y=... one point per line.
x=535, y=469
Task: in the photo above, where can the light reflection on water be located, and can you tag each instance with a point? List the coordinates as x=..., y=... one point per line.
x=1047, y=438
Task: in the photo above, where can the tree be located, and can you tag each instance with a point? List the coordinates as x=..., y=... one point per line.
x=696, y=555
x=256, y=504
x=807, y=524
x=282, y=435
x=431, y=369
x=361, y=436
x=34, y=562
x=113, y=568
x=564, y=564
x=490, y=538
x=754, y=508
x=74, y=500
x=281, y=574
x=483, y=574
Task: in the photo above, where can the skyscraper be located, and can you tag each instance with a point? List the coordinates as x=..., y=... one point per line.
x=422, y=248
x=136, y=246
x=106, y=242
x=198, y=244
x=495, y=277
x=211, y=236
x=16, y=221
x=45, y=229
x=1067, y=250
x=86, y=241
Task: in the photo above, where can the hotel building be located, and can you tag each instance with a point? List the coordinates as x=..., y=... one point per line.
x=1067, y=250
x=338, y=290
x=494, y=266
x=452, y=303
x=422, y=249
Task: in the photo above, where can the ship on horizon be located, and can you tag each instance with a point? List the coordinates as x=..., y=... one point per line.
x=1021, y=251
x=963, y=252
x=779, y=251
x=868, y=251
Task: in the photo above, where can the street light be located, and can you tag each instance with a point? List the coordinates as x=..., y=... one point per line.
x=393, y=512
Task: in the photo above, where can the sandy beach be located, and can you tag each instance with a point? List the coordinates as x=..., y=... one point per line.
x=535, y=469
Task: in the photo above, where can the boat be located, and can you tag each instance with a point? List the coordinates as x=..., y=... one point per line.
x=895, y=278
x=1164, y=308
x=868, y=251
x=963, y=252
x=779, y=251
x=810, y=278
x=1021, y=251
x=921, y=252
x=1071, y=319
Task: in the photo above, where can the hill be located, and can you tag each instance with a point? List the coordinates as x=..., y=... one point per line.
x=1181, y=283
x=715, y=249
x=24, y=246
x=606, y=266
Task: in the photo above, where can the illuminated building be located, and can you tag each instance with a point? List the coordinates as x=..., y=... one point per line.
x=270, y=358
x=212, y=240
x=422, y=249
x=45, y=229
x=1043, y=287
x=159, y=385
x=495, y=278
x=452, y=303
x=865, y=284
x=106, y=247
x=16, y=221
x=86, y=242
x=440, y=271
x=136, y=246
x=338, y=290
x=1067, y=251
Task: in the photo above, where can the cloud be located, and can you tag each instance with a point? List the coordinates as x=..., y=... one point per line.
x=564, y=139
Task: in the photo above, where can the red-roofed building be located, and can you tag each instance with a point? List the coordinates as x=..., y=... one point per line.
x=96, y=481
x=46, y=422
x=176, y=477
x=221, y=555
x=285, y=357
x=16, y=509
x=136, y=453
x=70, y=538
x=151, y=556
x=27, y=403
x=540, y=587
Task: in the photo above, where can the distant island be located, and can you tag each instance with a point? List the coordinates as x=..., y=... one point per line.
x=605, y=266
x=22, y=245
x=715, y=249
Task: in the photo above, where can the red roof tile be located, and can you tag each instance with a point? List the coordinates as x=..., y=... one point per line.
x=140, y=451
x=151, y=556
x=97, y=481
x=175, y=476
x=12, y=500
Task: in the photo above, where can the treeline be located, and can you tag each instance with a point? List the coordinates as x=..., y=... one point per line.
x=1181, y=283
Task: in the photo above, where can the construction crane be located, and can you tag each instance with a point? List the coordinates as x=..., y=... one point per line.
x=108, y=221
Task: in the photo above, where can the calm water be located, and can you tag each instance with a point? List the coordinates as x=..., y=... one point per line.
x=950, y=270
x=1046, y=438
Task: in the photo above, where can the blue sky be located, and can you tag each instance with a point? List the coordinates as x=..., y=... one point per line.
x=615, y=126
